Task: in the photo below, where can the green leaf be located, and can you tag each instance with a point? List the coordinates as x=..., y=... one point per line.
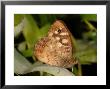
x=75, y=70
x=86, y=52
x=27, y=53
x=90, y=17
x=87, y=56
x=17, y=18
x=44, y=30
x=90, y=35
x=31, y=31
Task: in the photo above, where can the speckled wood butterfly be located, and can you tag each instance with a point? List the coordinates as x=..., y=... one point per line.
x=56, y=48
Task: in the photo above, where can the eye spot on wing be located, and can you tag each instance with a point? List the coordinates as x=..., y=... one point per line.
x=58, y=30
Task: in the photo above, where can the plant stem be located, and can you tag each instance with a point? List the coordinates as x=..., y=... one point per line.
x=91, y=27
x=79, y=69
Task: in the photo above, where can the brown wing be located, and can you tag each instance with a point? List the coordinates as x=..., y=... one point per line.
x=56, y=48
x=39, y=47
x=59, y=33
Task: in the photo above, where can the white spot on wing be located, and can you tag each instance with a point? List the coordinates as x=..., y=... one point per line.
x=60, y=28
x=59, y=44
x=57, y=38
x=64, y=33
x=56, y=32
x=64, y=41
x=50, y=34
x=51, y=47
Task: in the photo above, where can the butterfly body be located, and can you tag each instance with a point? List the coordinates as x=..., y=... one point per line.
x=56, y=48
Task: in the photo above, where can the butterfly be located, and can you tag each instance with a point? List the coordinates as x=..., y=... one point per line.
x=56, y=48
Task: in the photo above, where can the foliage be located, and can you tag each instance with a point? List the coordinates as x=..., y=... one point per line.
x=28, y=29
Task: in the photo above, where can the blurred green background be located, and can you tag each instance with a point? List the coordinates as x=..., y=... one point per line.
x=29, y=28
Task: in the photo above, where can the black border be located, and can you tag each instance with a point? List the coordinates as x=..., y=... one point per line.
x=107, y=42
x=54, y=2
x=4, y=3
